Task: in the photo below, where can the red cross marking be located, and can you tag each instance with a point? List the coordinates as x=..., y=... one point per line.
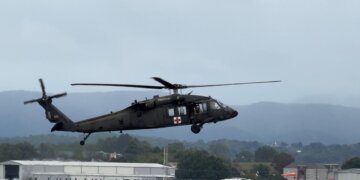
x=177, y=120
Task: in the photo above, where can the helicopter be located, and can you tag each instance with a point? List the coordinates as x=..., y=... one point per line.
x=175, y=109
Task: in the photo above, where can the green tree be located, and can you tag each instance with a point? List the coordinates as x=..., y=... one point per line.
x=351, y=163
x=219, y=149
x=244, y=156
x=17, y=151
x=25, y=151
x=175, y=149
x=199, y=164
x=46, y=151
x=281, y=160
x=137, y=147
x=78, y=154
x=261, y=170
x=265, y=154
x=115, y=144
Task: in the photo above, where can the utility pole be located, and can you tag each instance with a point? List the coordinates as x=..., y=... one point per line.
x=166, y=160
x=166, y=155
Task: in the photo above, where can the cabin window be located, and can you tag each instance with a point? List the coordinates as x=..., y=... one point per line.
x=182, y=110
x=171, y=112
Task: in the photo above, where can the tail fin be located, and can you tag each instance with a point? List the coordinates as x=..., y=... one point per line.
x=53, y=114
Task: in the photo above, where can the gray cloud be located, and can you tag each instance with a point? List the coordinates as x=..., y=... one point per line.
x=312, y=45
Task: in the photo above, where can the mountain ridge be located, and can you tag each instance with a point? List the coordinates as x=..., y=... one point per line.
x=264, y=121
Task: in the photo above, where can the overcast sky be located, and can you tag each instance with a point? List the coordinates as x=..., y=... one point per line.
x=312, y=45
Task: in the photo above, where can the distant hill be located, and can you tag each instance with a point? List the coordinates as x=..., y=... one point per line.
x=300, y=122
x=265, y=122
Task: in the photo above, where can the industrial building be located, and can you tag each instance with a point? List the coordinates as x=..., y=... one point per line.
x=349, y=174
x=73, y=170
x=311, y=171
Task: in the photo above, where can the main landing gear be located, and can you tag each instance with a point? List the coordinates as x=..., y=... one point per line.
x=83, y=141
x=196, y=128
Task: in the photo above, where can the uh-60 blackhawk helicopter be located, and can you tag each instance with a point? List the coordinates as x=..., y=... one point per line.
x=175, y=109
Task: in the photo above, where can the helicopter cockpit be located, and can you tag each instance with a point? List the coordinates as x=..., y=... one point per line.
x=210, y=105
x=214, y=105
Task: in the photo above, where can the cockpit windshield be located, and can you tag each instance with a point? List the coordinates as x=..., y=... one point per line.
x=214, y=105
x=221, y=104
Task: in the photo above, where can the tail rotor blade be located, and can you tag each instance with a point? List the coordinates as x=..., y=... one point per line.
x=58, y=95
x=32, y=101
x=45, y=98
x=42, y=87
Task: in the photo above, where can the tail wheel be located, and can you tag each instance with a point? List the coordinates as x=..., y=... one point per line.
x=85, y=138
x=195, y=128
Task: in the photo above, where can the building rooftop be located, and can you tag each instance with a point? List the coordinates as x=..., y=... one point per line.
x=354, y=171
x=98, y=174
x=313, y=166
x=80, y=163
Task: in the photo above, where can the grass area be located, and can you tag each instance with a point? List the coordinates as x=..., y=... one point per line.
x=246, y=168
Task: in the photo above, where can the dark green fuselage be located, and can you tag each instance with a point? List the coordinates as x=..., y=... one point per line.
x=158, y=112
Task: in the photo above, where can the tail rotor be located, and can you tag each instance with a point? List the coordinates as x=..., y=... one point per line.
x=45, y=98
x=42, y=87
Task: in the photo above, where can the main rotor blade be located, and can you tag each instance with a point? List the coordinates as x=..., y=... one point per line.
x=230, y=84
x=119, y=85
x=165, y=83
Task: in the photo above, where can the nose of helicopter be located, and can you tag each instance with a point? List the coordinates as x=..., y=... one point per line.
x=232, y=112
x=235, y=113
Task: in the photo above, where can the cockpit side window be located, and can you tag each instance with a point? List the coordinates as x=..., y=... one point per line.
x=200, y=108
x=204, y=106
x=214, y=105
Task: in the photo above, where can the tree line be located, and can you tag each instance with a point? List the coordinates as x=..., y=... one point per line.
x=199, y=160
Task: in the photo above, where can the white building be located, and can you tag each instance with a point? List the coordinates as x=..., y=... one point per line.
x=59, y=170
x=349, y=174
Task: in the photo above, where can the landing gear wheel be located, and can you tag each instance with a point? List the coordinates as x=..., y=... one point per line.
x=83, y=141
x=195, y=128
